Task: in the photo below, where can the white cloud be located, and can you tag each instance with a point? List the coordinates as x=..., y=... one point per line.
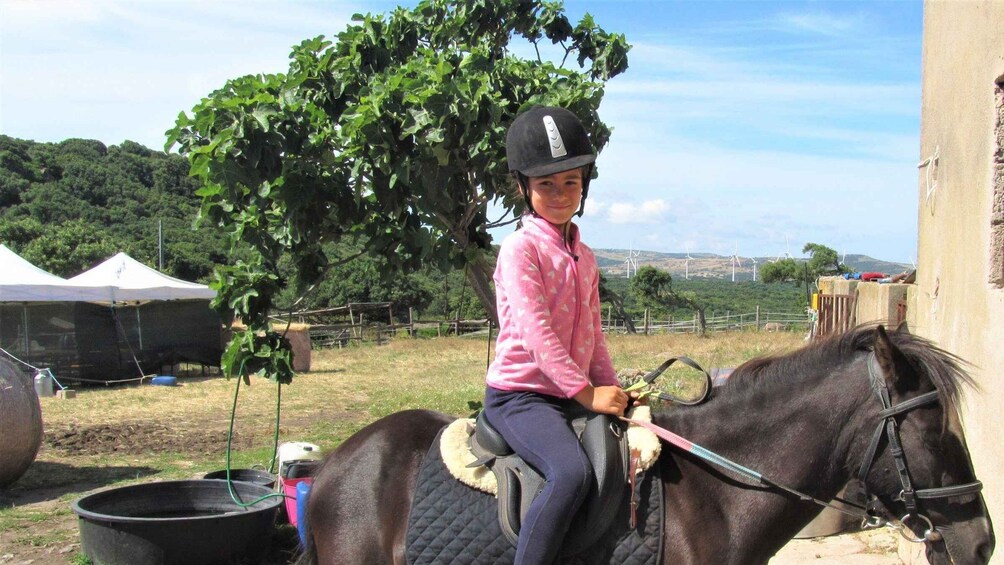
x=648, y=212
x=823, y=24
x=116, y=70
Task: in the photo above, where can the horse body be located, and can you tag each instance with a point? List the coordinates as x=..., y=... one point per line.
x=371, y=475
x=805, y=420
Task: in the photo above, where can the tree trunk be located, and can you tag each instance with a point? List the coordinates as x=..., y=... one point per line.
x=702, y=322
x=479, y=275
x=618, y=304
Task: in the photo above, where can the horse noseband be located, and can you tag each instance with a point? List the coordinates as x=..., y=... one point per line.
x=887, y=423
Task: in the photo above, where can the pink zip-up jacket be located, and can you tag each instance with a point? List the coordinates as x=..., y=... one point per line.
x=547, y=292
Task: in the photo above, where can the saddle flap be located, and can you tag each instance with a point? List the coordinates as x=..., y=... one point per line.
x=605, y=443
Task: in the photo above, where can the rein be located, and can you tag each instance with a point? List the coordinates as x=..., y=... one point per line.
x=887, y=423
x=729, y=465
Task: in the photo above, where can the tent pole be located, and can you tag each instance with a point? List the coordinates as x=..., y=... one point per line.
x=139, y=328
x=27, y=340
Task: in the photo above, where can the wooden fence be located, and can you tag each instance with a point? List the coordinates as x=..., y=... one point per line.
x=374, y=322
x=836, y=314
x=359, y=322
x=751, y=321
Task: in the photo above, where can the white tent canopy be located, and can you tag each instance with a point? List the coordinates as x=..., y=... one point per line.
x=125, y=279
x=20, y=281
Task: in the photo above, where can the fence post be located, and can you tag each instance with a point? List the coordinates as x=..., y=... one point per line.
x=646, y=321
x=757, y=317
x=411, y=322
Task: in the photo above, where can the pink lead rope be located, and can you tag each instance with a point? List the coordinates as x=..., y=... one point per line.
x=691, y=447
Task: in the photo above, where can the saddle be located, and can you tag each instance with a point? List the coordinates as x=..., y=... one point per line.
x=604, y=440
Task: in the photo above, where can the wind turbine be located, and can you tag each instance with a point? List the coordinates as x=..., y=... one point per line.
x=686, y=265
x=735, y=261
x=754, y=267
x=631, y=261
x=787, y=252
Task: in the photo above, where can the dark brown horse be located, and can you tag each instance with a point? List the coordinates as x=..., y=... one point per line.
x=806, y=420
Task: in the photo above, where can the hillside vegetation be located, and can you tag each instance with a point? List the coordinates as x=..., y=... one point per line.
x=69, y=205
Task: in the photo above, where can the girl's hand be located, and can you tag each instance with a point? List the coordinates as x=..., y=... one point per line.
x=639, y=393
x=638, y=398
x=604, y=399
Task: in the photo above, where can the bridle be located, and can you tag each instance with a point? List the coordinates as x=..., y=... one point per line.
x=872, y=511
x=910, y=496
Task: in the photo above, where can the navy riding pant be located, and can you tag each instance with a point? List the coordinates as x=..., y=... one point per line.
x=539, y=431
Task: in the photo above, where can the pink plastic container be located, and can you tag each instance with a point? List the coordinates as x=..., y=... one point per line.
x=289, y=489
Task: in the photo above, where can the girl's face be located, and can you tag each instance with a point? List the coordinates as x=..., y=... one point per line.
x=556, y=197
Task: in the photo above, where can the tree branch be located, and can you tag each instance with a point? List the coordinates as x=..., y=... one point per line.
x=499, y=223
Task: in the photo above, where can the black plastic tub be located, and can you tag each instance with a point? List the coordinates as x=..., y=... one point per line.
x=176, y=522
x=263, y=478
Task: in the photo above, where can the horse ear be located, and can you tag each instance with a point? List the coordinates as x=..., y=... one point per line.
x=895, y=366
x=903, y=328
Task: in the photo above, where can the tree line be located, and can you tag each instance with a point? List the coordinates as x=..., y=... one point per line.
x=66, y=206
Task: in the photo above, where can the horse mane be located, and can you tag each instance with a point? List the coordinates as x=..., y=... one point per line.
x=943, y=368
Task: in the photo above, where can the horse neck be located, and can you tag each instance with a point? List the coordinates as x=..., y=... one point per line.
x=805, y=435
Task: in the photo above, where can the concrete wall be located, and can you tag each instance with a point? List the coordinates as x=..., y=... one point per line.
x=878, y=302
x=874, y=302
x=958, y=301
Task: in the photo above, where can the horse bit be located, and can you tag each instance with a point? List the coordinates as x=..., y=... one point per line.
x=909, y=496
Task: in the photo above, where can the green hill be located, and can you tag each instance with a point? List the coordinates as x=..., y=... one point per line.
x=66, y=206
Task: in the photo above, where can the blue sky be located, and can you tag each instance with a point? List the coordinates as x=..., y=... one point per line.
x=738, y=124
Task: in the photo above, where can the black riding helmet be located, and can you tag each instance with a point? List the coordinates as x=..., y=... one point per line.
x=545, y=140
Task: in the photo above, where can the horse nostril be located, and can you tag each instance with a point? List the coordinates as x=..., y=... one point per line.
x=985, y=550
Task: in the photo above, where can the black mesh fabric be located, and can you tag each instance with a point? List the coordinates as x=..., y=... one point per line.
x=80, y=340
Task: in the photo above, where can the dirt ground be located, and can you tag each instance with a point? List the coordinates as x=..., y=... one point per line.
x=136, y=436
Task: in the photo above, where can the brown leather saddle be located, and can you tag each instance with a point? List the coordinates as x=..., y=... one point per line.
x=604, y=440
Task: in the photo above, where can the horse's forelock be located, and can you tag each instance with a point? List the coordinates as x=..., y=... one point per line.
x=945, y=370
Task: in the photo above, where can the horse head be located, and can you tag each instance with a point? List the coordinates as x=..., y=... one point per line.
x=917, y=467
